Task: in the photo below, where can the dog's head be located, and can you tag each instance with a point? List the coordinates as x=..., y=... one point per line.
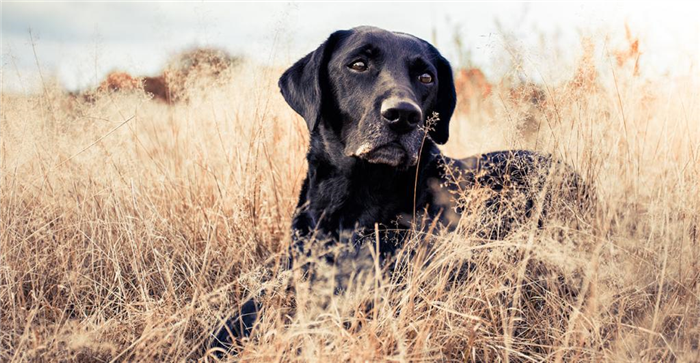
x=371, y=90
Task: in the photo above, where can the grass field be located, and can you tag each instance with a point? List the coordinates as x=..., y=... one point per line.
x=129, y=229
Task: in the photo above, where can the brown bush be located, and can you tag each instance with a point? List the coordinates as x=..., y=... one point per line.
x=188, y=70
x=472, y=88
x=158, y=87
x=630, y=53
x=195, y=68
x=119, y=81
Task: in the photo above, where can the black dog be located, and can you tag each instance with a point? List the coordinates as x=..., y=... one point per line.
x=376, y=103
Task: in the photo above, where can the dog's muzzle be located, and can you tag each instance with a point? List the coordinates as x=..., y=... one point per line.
x=393, y=138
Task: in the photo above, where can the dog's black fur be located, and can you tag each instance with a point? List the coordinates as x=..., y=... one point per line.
x=366, y=94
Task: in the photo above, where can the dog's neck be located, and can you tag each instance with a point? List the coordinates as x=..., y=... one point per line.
x=346, y=193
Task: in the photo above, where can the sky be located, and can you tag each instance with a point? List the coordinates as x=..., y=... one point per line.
x=80, y=42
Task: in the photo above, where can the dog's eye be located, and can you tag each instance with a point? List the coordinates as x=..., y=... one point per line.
x=425, y=78
x=359, y=66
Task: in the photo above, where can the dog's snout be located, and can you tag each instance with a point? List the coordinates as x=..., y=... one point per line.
x=401, y=115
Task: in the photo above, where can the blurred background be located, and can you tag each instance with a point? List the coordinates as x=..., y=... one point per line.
x=80, y=43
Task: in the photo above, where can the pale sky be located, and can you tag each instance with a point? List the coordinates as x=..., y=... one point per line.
x=80, y=42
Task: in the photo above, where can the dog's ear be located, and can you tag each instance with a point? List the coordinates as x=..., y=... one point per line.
x=446, y=98
x=303, y=84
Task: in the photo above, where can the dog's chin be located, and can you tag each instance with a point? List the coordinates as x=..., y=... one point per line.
x=392, y=154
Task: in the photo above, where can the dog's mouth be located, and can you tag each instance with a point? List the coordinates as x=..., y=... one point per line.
x=392, y=153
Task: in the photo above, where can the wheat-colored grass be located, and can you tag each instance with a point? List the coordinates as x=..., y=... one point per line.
x=129, y=229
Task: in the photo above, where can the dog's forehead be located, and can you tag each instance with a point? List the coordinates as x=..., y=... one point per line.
x=395, y=43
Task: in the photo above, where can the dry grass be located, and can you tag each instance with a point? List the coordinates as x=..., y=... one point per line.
x=130, y=229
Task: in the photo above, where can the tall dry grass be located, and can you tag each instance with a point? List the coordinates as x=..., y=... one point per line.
x=130, y=229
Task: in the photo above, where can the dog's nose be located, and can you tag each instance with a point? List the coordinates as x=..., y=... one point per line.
x=401, y=115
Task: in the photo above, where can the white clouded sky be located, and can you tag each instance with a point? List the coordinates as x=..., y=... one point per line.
x=80, y=42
